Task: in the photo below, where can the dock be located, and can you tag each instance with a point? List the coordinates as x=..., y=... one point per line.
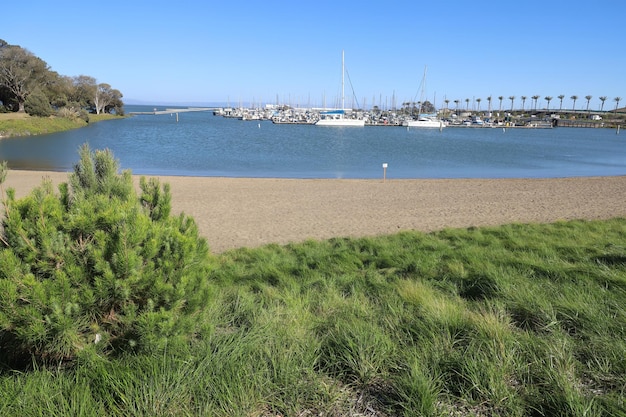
x=170, y=111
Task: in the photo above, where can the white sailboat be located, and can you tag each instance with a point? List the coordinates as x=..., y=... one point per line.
x=338, y=117
x=424, y=121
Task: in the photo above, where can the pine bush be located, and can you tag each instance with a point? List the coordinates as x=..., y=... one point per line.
x=97, y=267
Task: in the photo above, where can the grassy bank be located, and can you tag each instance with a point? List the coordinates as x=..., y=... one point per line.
x=515, y=320
x=21, y=124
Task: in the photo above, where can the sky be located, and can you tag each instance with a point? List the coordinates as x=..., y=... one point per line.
x=254, y=52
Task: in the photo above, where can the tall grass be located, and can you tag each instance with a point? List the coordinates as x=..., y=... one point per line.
x=515, y=320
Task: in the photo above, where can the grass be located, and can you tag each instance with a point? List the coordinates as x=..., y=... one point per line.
x=517, y=320
x=21, y=124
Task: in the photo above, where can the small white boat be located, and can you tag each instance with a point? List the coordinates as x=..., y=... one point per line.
x=424, y=122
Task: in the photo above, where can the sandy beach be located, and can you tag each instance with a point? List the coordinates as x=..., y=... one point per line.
x=237, y=212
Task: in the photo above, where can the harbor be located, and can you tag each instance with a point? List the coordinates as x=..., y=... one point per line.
x=200, y=143
x=406, y=117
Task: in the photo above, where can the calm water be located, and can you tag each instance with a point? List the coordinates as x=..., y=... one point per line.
x=201, y=144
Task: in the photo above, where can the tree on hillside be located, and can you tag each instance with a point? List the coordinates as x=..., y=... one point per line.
x=104, y=97
x=617, y=100
x=21, y=72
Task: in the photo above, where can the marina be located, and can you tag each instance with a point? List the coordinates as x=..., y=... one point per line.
x=201, y=143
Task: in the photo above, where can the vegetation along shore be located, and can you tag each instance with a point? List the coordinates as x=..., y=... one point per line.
x=112, y=304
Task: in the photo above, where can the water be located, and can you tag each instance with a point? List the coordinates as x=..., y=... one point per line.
x=201, y=144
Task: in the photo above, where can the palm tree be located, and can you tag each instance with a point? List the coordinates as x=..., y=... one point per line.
x=523, y=101
x=617, y=100
x=561, y=97
x=447, y=102
x=512, y=98
x=535, y=98
x=588, y=98
x=500, y=98
x=548, y=99
x=574, y=98
x=457, y=101
x=489, y=101
x=602, y=99
x=467, y=100
x=478, y=100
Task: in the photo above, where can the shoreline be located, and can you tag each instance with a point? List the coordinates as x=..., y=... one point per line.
x=251, y=212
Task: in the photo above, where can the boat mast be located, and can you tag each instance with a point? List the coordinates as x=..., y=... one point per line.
x=343, y=107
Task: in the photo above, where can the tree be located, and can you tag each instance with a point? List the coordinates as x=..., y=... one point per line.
x=37, y=104
x=20, y=72
x=561, y=97
x=84, y=91
x=489, y=101
x=512, y=98
x=97, y=268
x=478, y=100
x=548, y=99
x=104, y=97
x=617, y=100
x=500, y=98
x=467, y=100
x=523, y=102
x=588, y=98
x=535, y=98
x=574, y=98
x=602, y=99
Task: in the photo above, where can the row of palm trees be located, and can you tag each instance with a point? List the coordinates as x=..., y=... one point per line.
x=535, y=98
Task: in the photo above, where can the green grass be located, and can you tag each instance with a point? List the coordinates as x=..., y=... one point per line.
x=518, y=320
x=12, y=124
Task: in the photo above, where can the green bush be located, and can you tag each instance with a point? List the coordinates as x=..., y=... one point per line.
x=97, y=267
x=37, y=105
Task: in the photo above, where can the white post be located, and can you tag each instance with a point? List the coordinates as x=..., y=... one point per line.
x=384, y=171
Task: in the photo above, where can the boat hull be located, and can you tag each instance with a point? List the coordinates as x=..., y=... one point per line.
x=427, y=124
x=340, y=122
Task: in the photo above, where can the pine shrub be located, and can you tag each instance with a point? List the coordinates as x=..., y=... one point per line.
x=97, y=267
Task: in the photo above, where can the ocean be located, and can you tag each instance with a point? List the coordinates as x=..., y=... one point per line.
x=201, y=144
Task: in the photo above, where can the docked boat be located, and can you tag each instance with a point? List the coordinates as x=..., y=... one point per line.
x=423, y=121
x=338, y=117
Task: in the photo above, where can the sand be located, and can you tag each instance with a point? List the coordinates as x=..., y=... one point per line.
x=244, y=212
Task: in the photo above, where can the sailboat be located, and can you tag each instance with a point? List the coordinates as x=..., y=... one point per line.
x=424, y=121
x=337, y=117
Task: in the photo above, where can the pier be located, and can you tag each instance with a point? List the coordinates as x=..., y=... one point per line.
x=170, y=111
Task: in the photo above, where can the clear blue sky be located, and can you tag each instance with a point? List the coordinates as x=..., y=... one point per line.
x=184, y=52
